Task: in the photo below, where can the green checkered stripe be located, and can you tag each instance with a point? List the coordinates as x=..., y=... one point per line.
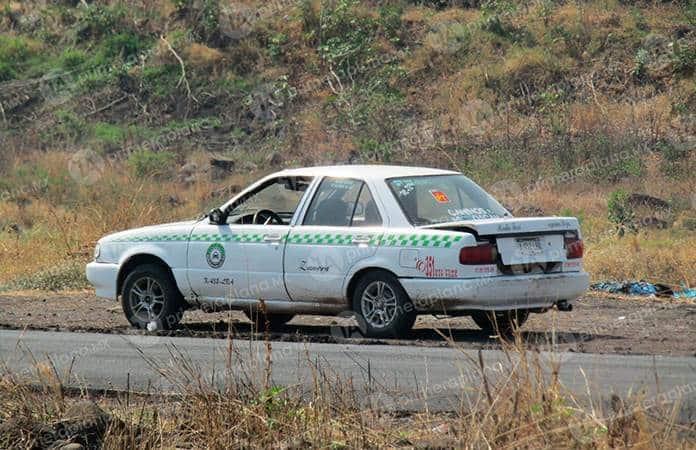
x=320, y=238
x=419, y=240
x=384, y=240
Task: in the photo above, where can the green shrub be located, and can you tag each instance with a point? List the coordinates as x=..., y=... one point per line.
x=275, y=44
x=123, y=45
x=7, y=72
x=640, y=64
x=108, y=136
x=72, y=58
x=495, y=19
x=161, y=80
x=620, y=212
x=375, y=151
x=147, y=163
x=684, y=56
x=70, y=127
x=345, y=36
x=675, y=159
x=100, y=20
x=14, y=52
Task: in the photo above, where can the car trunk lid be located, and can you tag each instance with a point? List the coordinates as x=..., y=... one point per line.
x=520, y=240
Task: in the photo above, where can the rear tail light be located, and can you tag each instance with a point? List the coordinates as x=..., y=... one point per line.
x=484, y=253
x=574, y=247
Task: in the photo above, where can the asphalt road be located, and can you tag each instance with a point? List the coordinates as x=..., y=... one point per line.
x=392, y=377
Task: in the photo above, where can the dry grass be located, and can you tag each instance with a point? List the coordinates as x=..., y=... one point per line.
x=511, y=406
x=58, y=223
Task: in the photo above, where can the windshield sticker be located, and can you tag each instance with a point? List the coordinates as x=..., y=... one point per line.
x=404, y=187
x=471, y=213
x=342, y=185
x=439, y=196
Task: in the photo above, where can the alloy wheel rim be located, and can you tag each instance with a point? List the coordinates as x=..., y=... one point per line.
x=147, y=299
x=379, y=304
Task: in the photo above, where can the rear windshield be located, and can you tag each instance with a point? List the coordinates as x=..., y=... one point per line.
x=443, y=198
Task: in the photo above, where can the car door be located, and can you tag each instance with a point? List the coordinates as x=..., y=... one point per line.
x=216, y=261
x=342, y=226
x=265, y=216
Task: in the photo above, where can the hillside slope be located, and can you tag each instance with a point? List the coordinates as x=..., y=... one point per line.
x=555, y=106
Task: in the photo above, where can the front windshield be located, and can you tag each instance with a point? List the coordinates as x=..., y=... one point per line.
x=443, y=198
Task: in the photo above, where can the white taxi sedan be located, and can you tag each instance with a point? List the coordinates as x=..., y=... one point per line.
x=385, y=242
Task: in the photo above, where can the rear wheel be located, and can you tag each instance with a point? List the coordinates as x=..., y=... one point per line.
x=150, y=296
x=500, y=322
x=274, y=321
x=383, y=306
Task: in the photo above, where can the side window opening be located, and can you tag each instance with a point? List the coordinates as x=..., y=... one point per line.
x=280, y=195
x=343, y=202
x=366, y=213
x=334, y=203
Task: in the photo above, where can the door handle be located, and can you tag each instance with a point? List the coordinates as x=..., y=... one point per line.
x=358, y=240
x=271, y=237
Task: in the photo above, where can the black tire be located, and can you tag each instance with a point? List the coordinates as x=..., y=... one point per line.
x=275, y=321
x=166, y=315
x=397, y=320
x=500, y=322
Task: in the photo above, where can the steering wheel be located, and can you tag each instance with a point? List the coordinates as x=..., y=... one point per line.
x=269, y=216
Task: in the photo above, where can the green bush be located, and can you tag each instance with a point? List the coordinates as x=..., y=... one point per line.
x=345, y=36
x=108, y=136
x=7, y=72
x=684, y=56
x=675, y=159
x=70, y=127
x=620, y=212
x=147, y=163
x=100, y=20
x=72, y=58
x=495, y=19
x=14, y=52
x=123, y=45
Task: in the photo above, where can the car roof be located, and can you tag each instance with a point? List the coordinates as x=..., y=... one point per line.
x=364, y=171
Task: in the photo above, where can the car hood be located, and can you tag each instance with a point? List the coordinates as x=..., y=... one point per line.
x=180, y=229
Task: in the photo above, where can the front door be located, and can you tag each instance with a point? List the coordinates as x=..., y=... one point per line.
x=216, y=261
x=263, y=217
x=341, y=227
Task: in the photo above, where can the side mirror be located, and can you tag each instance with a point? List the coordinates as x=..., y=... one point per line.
x=217, y=217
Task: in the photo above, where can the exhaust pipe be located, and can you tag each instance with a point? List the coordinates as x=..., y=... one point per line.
x=564, y=306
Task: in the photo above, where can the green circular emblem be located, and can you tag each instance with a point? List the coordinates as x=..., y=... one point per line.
x=215, y=256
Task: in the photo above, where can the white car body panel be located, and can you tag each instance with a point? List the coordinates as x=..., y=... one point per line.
x=298, y=268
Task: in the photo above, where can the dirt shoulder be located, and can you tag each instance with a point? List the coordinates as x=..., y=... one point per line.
x=598, y=324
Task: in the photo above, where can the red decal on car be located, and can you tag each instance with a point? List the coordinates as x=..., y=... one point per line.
x=427, y=266
x=439, y=196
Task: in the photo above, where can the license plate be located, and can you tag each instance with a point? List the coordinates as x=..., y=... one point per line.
x=529, y=246
x=531, y=249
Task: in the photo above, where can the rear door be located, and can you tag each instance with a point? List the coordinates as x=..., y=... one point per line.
x=342, y=226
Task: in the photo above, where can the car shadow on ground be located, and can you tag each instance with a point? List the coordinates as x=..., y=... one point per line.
x=336, y=334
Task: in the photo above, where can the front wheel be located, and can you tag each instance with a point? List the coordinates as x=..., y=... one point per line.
x=151, y=299
x=383, y=306
x=500, y=322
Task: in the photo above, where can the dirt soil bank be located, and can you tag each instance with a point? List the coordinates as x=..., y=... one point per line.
x=598, y=324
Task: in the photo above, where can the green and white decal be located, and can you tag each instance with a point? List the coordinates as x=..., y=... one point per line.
x=215, y=255
x=384, y=240
x=336, y=239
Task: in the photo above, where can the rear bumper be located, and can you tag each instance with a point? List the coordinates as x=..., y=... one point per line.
x=495, y=293
x=103, y=277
